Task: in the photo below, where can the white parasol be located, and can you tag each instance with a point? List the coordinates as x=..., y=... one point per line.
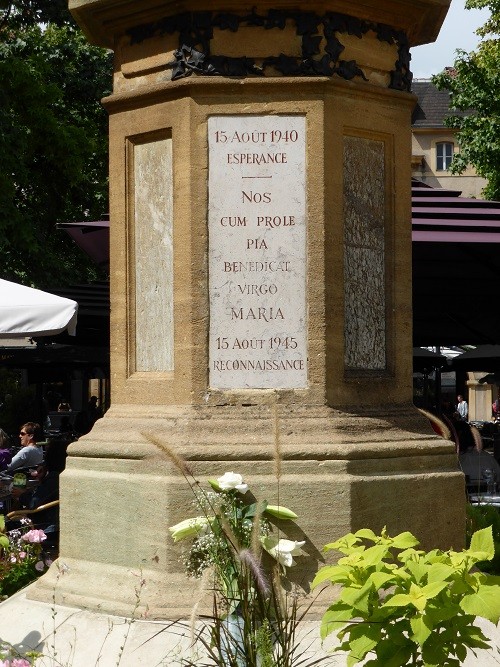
x=27, y=312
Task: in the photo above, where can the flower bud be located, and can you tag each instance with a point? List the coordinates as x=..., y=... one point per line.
x=280, y=512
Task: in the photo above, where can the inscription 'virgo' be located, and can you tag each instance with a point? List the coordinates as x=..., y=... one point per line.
x=257, y=290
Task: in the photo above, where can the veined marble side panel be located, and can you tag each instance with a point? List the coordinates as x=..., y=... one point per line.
x=364, y=268
x=154, y=271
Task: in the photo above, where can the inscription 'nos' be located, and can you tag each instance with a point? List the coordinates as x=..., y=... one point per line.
x=256, y=197
x=265, y=314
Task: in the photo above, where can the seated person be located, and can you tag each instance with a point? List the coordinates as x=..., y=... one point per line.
x=467, y=437
x=5, y=453
x=473, y=460
x=30, y=454
x=66, y=429
x=47, y=489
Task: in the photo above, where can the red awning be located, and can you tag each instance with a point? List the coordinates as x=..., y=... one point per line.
x=456, y=268
x=92, y=237
x=443, y=216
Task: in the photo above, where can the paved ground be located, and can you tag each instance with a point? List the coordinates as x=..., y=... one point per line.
x=70, y=637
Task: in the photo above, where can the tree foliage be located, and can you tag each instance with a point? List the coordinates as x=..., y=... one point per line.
x=474, y=87
x=53, y=140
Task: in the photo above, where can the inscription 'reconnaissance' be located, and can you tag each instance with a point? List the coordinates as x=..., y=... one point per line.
x=257, y=252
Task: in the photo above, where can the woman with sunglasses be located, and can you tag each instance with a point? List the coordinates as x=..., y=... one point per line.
x=30, y=455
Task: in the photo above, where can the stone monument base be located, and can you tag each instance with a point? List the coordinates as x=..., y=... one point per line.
x=339, y=472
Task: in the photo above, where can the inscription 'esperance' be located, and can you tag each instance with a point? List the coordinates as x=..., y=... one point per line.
x=257, y=158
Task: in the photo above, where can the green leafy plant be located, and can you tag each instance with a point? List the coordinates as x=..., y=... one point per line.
x=479, y=517
x=404, y=606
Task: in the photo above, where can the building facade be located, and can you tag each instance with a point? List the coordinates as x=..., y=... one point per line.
x=434, y=144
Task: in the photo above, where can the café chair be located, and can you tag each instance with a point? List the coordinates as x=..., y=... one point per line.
x=24, y=513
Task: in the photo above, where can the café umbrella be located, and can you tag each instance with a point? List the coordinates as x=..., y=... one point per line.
x=482, y=358
x=27, y=312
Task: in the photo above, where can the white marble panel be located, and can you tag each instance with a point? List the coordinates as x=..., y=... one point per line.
x=154, y=274
x=257, y=253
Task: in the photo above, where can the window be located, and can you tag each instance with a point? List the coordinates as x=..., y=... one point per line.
x=444, y=155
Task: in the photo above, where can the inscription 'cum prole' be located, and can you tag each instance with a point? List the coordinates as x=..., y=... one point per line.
x=270, y=221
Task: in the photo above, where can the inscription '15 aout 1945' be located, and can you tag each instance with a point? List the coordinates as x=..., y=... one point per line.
x=257, y=252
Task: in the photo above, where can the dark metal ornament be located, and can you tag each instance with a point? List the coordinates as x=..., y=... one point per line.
x=195, y=30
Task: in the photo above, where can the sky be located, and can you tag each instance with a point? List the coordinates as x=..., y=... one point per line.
x=457, y=32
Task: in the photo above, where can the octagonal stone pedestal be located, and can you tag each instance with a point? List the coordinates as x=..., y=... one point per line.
x=280, y=350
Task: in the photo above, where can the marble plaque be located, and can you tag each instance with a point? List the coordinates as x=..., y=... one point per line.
x=154, y=266
x=364, y=252
x=257, y=252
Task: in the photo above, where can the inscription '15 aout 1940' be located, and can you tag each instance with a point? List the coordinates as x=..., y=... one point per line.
x=257, y=252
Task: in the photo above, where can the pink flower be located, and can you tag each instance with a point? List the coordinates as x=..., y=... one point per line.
x=22, y=555
x=48, y=562
x=34, y=536
x=20, y=662
x=13, y=559
x=40, y=566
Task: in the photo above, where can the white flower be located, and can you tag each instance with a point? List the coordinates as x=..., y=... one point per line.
x=230, y=481
x=282, y=550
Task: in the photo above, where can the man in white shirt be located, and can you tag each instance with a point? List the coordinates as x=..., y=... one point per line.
x=31, y=455
x=462, y=408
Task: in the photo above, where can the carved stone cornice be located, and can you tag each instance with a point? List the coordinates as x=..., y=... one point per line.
x=104, y=20
x=321, y=49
